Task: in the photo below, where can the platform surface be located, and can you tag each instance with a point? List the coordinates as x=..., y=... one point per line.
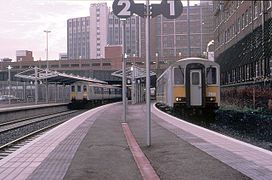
x=93, y=146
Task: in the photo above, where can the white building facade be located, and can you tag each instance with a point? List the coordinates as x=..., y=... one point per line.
x=98, y=30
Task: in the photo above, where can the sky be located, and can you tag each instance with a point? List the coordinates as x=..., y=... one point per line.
x=22, y=25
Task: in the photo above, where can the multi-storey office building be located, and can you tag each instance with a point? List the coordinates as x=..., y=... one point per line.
x=243, y=47
x=172, y=34
x=115, y=33
x=78, y=38
x=168, y=37
x=98, y=30
x=243, y=31
x=87, y=36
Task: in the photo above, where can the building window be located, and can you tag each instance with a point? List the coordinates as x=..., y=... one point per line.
x=95, y=64
x=255, y=10
x=246, y=18
x=106, y=64
x=260, y=8
x=238, y=25
x=249, y=15
x=243, y=21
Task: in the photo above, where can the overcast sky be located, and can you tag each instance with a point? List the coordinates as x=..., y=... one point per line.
x=22, y=23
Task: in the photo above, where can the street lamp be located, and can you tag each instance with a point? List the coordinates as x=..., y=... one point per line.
x=9, y=78
x=208, y=45
x=157, y=63
x=47, y=32
x=47, y=63
x=189, y=29
x=201, y=30
x=179, y=55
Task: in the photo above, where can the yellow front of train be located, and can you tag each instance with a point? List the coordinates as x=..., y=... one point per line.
x=73, y=93
x=191, y=83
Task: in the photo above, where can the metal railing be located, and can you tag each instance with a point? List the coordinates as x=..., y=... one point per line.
x=24, y=92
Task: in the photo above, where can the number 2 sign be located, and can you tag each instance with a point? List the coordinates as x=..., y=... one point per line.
x=123, y=8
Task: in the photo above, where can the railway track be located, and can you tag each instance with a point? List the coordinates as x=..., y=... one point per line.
x=20, y=132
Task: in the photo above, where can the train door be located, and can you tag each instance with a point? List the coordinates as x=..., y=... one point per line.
x=195, y=87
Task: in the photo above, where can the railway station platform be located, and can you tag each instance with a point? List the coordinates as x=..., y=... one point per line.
x=98, y=145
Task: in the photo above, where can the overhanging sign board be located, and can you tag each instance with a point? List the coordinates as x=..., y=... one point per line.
x=126, y=8
x=171, y=9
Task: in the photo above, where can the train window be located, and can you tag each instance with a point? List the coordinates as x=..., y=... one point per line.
x=211, y=75
x=195, y=78
x=178, y=76
x=78, y=88
x=73, y=88
x=84, y=88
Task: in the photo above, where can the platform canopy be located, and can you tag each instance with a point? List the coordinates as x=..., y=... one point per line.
x=138, y=72
x=36, y=73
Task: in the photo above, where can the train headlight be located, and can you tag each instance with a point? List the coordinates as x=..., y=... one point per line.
x=211, y=99
x=180, y=99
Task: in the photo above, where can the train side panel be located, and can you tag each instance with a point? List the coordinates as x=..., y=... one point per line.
x=86, y=94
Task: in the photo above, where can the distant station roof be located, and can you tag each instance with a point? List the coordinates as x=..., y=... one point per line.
x=138, y=72
x=53, y=76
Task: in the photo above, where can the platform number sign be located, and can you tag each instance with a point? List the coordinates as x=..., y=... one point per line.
x=123, y=8
x=170, y=9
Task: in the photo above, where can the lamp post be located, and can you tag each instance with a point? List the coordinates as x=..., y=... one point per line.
x=47, y=63
x=157, y=63
x=80, y=62
x=47, y=32
x=147, y=46
x=133, y=83
x=189, y=28
x=179, y=55
x=9, y=78
x=201, y=30
x=124, y=80
x=208, y=45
